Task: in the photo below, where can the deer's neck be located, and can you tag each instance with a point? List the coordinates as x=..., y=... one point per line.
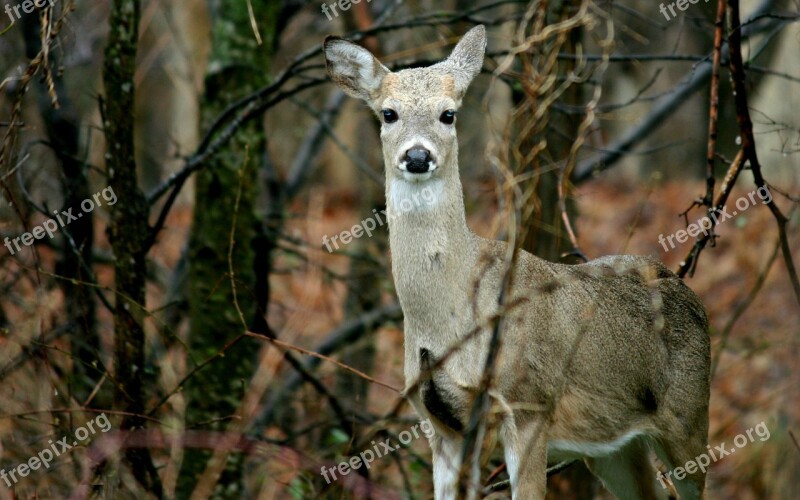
x=433, y=252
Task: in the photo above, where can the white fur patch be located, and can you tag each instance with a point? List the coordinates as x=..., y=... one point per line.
x=416, y=178
x=512, y=465
x=446, y=465
x=407, y=197
x=574, y=449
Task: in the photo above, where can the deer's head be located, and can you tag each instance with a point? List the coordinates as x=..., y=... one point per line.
x=417, y=107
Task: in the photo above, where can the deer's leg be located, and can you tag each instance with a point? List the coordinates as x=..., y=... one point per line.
x=446, y=465
x=679, y=453
x=627, y=472
x=525, y=449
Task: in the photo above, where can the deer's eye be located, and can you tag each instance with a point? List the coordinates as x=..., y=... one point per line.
x=389, y=115
x=448, y=117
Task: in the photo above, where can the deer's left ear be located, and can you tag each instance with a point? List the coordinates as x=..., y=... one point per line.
x=353, y=68
x=466, y=60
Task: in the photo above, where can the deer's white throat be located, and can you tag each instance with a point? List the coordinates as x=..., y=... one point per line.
x=414, y=197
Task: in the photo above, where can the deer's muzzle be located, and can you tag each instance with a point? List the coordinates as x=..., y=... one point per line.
x=417, y=160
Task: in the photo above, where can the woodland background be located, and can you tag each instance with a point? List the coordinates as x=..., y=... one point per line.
x=187, y=311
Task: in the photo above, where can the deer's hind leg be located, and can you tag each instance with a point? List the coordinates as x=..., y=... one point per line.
x=627, y=472
x=681, y=452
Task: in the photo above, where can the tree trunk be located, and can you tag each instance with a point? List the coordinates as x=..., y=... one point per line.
x=229, y=178
x=63, y=132
x=128, y=233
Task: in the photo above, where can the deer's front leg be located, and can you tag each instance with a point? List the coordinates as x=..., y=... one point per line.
x=525, y=447
x=446, y=464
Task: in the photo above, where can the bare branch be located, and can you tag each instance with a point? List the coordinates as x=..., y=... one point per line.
x=748, y=139
x=694, y=81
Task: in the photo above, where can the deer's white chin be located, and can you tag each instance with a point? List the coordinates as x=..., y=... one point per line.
x=412, y=177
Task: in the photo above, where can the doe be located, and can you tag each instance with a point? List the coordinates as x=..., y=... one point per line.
x=602, y=361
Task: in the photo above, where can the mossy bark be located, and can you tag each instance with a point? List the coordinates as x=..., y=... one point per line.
x=128, y=232
x=215, y=392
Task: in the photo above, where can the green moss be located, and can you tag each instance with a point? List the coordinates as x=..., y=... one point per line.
x=237, y=69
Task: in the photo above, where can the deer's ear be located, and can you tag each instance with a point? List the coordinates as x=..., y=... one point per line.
x=466, y=60
x=353, y=68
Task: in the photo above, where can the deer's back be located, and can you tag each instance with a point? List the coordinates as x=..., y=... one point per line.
x=607, y=329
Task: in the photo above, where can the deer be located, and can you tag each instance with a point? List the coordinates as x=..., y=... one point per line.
x=605, y=362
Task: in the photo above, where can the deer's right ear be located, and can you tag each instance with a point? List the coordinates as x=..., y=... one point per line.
x=353, y=68
x=466, y=60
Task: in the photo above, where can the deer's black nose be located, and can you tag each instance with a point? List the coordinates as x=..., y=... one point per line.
x=417, y=160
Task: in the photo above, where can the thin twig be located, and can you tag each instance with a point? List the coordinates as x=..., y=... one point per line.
x=713, y=113
x=689, y=264
x=341, y=365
